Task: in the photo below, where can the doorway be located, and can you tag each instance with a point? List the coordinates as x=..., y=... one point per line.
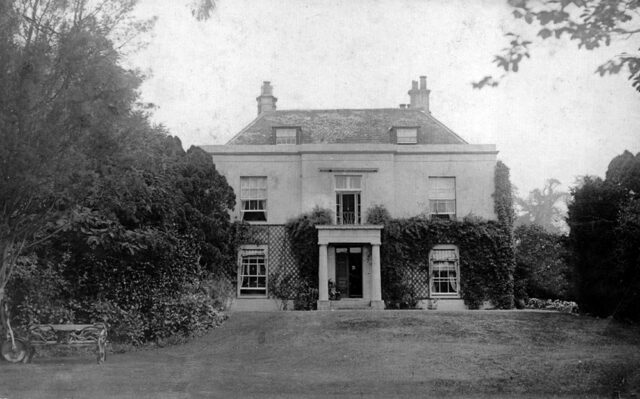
x=349, y=271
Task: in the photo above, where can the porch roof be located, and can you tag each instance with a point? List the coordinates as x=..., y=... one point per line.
x=349, y=234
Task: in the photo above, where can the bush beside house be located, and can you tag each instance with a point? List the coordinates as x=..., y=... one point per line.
x=141, y=253
x=542, y=265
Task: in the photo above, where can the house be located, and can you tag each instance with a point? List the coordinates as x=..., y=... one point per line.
x=286, y=162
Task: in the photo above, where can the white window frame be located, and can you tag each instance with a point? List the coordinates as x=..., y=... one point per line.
x=286, y=135
x=253, y=196
x=441, y=197
x=248, y=252
x=349, y=188
x=437, y=263
x=406, y=135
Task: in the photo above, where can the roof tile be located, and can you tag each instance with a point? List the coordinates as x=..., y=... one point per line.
x=347, y=126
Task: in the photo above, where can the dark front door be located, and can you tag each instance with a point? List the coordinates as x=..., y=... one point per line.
x=349, y=271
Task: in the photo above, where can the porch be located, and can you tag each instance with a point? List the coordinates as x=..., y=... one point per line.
x=350, y=258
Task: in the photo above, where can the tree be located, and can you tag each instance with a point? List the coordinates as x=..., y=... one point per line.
x=589, y=23
x=604, y=217
x=65, y=104
x=541, y=207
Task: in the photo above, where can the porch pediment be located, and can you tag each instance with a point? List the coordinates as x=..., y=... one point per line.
x=349, y=234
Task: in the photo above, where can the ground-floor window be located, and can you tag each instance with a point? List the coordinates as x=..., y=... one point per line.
x=253, y=271
x=444, y=271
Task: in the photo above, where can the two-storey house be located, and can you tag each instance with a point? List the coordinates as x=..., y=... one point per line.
x=286, y=162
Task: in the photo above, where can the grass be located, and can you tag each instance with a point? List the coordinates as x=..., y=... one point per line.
x=360, y=354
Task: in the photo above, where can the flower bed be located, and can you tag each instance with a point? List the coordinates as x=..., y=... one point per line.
x=552, y=304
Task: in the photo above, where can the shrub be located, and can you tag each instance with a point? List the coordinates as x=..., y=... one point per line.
x=604, y=218
x=542, y=269
x=124, y=326
x=220, y=290
x=306, y=297
x=186, y=316
x=29, y=312
x=284, y=287
x=378, y=214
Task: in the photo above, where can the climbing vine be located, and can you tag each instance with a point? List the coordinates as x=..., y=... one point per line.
x=486, y=258
x=503, y=196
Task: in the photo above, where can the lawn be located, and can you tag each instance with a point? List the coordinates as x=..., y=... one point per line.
x=359, y=354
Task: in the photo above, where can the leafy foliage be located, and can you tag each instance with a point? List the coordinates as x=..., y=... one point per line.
x=304, y=240
x=486, y=258
x=542, y=267
x=119, y=222
x=589, y=23
x=604, y=217
x=378, y=214
x=503, y=197
x=67, y=106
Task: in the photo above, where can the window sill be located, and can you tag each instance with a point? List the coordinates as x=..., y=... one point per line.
x=444, y=296
x=240, y=296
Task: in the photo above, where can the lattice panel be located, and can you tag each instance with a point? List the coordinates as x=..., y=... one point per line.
x=420, y=280
x=281, y=259
x=259, y=235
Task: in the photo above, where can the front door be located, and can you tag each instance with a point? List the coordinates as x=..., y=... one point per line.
x=349, y=271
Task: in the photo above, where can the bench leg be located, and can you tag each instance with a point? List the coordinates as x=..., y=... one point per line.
x=31, y=352
x=102, y=350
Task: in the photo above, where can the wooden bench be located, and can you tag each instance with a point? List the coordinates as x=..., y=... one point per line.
x=68, y=334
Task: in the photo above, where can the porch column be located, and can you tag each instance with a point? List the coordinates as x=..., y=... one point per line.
x=323, y=279
x=376, y=286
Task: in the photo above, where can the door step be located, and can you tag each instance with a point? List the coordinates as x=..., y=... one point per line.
x=350, y=303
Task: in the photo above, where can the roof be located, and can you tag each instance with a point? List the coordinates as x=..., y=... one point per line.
x=347, y=126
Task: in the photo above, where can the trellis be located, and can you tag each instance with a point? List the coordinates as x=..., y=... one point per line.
x=281, y=258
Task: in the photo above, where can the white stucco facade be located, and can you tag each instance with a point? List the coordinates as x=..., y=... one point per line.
x=287, y=162
x=300, y=177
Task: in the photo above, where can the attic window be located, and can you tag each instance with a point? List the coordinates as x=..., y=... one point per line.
x=286, y=135
x=407, y=135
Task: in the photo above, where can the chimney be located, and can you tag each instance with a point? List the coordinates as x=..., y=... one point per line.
x=419, y=97
x=266, y=100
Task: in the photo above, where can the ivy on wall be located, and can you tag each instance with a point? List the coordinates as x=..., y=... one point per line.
x=486, y=258
x=304, y=241
x=503, y=196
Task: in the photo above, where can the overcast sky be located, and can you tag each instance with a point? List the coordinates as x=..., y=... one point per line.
x=555, y=118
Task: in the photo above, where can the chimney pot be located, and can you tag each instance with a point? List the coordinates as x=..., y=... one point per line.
x=266, y=88
x=423, y=82
x=266, y=100
x=419, y=97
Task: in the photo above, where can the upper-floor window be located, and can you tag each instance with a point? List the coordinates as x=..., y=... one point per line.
x=407, y=135
x=253, y=198
x=442, y=197
x=348, y=189
x=286, y=135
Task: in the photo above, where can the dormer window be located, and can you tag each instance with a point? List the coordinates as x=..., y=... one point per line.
x=286, y=135
x=407, y=135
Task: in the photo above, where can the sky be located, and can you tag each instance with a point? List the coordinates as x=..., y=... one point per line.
x=554, y=118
